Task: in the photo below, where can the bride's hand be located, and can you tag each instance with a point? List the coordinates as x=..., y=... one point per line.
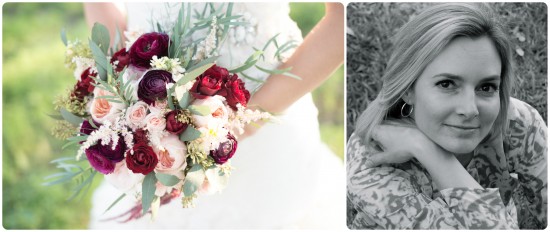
x=400, y=141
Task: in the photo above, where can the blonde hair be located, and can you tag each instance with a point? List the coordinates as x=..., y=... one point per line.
x=416, y=45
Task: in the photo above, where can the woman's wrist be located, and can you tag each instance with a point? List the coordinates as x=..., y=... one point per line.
x=445, y=169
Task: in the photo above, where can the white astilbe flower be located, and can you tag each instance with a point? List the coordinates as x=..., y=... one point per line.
x=207, y=47
x=243, y=116
x=82, y=64
x=107, y=133
x=155, y=136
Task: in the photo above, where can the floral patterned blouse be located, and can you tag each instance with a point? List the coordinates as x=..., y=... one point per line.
x=512, y=172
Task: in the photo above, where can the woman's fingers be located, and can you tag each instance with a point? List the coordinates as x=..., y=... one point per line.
x=387, y=157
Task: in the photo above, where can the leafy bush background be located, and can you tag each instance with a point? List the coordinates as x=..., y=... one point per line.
x=33, y=74
x=371, y=25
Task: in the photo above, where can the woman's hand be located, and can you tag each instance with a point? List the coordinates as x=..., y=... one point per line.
x=399, y=141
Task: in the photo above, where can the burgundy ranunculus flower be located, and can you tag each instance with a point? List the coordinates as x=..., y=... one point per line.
x=144, y=160
x=85, y=85
x=123, y=59
x=172, y=124
x=115, y=155
x=234, y=92
x=147, y=46
x=152, y=86
x=87, y=128
x=140, y=136
x=210, y=82
x=225, y=151
x=99, y=162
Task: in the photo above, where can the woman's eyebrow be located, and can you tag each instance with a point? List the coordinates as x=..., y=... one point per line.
x=457, y=77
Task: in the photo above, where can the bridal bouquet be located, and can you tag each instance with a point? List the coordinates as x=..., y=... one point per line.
x=156, y=117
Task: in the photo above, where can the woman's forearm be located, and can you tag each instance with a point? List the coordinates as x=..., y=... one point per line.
x=446, y=170
x=314, y=60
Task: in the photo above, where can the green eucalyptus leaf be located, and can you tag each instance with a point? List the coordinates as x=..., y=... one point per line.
x=199, y=110
x=70, y=117
x=170, y=99
x=184, y=101
x=251, y=61
x=56, y=116
x=148, y=188
x=100, y=35
x=167, y=179
x=64, y=36
x=115, y=202
x=193, y=73
x=190, y=134
x=100, y=60
x=193, y=180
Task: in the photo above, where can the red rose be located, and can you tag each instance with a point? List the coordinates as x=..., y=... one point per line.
x=173, y=125
x=123, y=59
x=234, y=92
x=210, y=82
x=144, y=160
x=147, y=46
x=140, y=136
x=225, y=151
x=84, y=86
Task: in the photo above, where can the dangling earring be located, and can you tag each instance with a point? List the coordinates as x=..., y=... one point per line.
x=403, y=108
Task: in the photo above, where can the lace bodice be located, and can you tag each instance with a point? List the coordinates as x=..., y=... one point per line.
x=264, y=19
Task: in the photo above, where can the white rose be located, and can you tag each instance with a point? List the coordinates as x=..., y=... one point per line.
x=123, y=178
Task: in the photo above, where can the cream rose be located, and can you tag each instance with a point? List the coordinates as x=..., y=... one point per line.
x=218, y=116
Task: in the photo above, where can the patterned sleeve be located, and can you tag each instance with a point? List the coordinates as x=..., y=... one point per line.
x=527, y=157
x=393, y=198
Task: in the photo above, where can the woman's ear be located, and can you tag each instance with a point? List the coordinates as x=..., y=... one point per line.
x=408, y=97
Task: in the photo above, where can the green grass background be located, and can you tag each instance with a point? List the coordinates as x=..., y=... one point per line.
x=370, y=26
x=33, y=74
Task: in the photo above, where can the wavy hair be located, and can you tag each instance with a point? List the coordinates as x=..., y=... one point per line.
x=417, y=44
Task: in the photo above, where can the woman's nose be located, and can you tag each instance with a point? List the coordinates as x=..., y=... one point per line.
x=467, y=105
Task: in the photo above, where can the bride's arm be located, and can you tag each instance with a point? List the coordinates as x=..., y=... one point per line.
x=321, y=53
x=314, y=60
x=107, y=13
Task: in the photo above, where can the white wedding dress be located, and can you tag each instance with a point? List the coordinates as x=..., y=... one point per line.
x=284, y=177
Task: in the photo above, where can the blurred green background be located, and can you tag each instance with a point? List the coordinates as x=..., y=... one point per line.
x=33, y=74
x=371, y=25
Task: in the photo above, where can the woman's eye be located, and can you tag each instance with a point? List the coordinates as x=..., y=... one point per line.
x=489, y=88
x=446, y=84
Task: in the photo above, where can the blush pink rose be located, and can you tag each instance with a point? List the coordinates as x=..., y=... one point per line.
x=136, y=114
x=218, y=116
x=155, y=121
x=173, y=159
x=101, y=109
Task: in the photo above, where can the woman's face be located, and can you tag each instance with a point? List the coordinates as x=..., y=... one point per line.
x=456, y=99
